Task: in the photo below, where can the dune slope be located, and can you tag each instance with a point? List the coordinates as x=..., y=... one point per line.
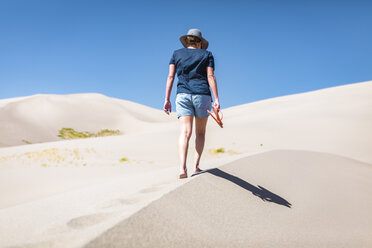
x=37, y=119
x=335, y=120
x=280, y=198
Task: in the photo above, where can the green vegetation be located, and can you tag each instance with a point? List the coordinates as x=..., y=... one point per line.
x=107, y=132
x=70, y=133
x=222, y=150
x=124, y=160
x=218, y=150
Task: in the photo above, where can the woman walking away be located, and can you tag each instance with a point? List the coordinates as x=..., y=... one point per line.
x=194, y=66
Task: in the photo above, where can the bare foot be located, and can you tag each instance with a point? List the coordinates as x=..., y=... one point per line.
x=197, y=170
x=183, y=173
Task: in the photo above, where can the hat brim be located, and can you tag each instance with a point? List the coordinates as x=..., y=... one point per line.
x=205, y=43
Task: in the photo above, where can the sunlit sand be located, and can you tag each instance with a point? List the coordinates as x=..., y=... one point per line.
x=291, y=171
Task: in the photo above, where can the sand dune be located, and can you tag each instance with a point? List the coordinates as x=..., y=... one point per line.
x=303, y=179
x=38, y=118
x=308, y=121
x=281, y=198
x=336, y=120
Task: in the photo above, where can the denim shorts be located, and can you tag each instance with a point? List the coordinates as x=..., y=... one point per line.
x=190, y=104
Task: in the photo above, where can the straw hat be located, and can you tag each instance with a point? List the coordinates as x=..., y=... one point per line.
x=194, y=32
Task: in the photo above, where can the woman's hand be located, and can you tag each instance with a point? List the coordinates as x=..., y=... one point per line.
x=167, y=104
x=213, y=85
x=167, y=107
x=216, y=104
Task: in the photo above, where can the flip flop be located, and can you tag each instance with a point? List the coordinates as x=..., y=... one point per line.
x=216, y=116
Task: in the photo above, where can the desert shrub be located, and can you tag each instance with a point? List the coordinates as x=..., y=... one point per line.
x=218, y=150
x=124, y=160
x=107, y=132
x=70, y=133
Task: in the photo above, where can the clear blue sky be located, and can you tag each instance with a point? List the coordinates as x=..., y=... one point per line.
x=262, y=49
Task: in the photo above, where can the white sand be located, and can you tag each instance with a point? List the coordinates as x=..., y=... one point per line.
x=75, y=190
x=281, y=198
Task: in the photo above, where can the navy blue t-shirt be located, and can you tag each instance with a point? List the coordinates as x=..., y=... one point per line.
x=191, y=68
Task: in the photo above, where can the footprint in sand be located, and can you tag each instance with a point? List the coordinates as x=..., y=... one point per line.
x=154, y=188
x=90, y=220
x=122, y=201
x=133, y=200
x=151, y=189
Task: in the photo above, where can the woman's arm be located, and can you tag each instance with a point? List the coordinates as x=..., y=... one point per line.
x=168, y=90
x=213, y=84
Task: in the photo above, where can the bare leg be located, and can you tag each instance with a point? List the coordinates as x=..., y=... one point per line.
x=183, y=142
x=200, y=127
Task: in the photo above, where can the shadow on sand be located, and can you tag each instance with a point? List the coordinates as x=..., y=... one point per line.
x=259, y=191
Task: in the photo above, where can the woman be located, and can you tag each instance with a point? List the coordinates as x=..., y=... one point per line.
x=194, y=66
